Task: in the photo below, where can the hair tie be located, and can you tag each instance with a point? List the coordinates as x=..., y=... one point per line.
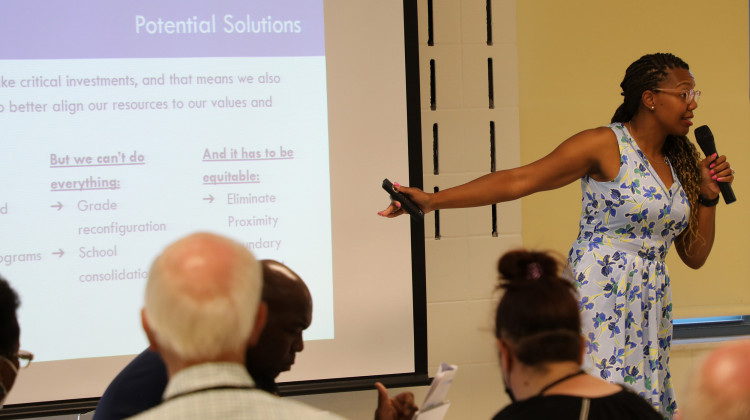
x=534, y=271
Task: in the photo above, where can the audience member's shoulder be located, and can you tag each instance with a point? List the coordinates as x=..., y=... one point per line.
x=636, y=407
x=624, y=405
x=290, y=406
x=138, y=387
x=255, y=404
x=557, y=406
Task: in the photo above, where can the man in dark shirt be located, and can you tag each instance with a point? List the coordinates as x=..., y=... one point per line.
x=289, y=314
x=139, y=386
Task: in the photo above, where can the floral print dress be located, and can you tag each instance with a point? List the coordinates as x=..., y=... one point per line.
x=627, y=226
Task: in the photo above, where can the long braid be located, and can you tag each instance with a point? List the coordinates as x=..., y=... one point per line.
x=645, y=74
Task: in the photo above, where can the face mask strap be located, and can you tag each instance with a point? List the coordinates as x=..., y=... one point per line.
x=509, y=391
x=506, y=380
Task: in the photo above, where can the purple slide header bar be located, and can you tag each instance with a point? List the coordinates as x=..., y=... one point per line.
x=54, y=29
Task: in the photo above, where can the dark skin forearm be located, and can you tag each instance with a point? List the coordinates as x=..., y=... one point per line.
x=591, y=152
x=694, y=251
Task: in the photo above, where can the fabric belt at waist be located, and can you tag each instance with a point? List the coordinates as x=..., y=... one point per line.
x=656, y=251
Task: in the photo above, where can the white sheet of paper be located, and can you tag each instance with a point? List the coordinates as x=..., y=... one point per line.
x=435, y=404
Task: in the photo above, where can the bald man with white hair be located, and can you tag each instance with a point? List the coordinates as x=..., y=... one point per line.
x=720, y=387
x=202, y=311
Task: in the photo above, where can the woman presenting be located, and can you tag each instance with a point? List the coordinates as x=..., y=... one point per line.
x=643, y=187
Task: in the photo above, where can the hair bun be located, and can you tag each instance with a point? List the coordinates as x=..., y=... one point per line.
x=526, y=267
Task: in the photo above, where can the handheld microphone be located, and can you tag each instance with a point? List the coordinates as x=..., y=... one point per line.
x=705, y=140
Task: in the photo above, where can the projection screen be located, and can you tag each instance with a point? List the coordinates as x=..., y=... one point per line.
x=127, y=125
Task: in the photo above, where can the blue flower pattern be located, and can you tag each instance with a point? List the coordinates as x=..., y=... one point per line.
x=627, y=227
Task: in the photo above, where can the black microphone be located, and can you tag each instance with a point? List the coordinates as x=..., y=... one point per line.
x=705, y=140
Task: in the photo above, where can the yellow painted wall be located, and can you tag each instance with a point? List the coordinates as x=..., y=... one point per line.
x=572, y=57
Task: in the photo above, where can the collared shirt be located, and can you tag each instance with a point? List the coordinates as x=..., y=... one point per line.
x=225, y=391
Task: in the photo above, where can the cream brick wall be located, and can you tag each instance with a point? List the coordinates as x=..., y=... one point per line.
x=461, y=264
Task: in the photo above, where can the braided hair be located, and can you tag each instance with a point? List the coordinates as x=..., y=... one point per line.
x=645, y=74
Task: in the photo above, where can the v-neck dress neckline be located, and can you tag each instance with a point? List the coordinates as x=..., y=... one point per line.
x=634, y=144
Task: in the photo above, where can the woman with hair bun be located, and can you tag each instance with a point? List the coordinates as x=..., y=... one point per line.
x=643, y=187
x=538, y=331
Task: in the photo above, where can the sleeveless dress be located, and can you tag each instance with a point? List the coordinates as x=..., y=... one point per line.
x=627, y=226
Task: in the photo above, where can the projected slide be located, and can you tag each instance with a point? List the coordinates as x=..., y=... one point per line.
x=133, y=124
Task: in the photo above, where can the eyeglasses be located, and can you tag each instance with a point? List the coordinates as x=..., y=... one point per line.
x=24, y=358
x=687, y=95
